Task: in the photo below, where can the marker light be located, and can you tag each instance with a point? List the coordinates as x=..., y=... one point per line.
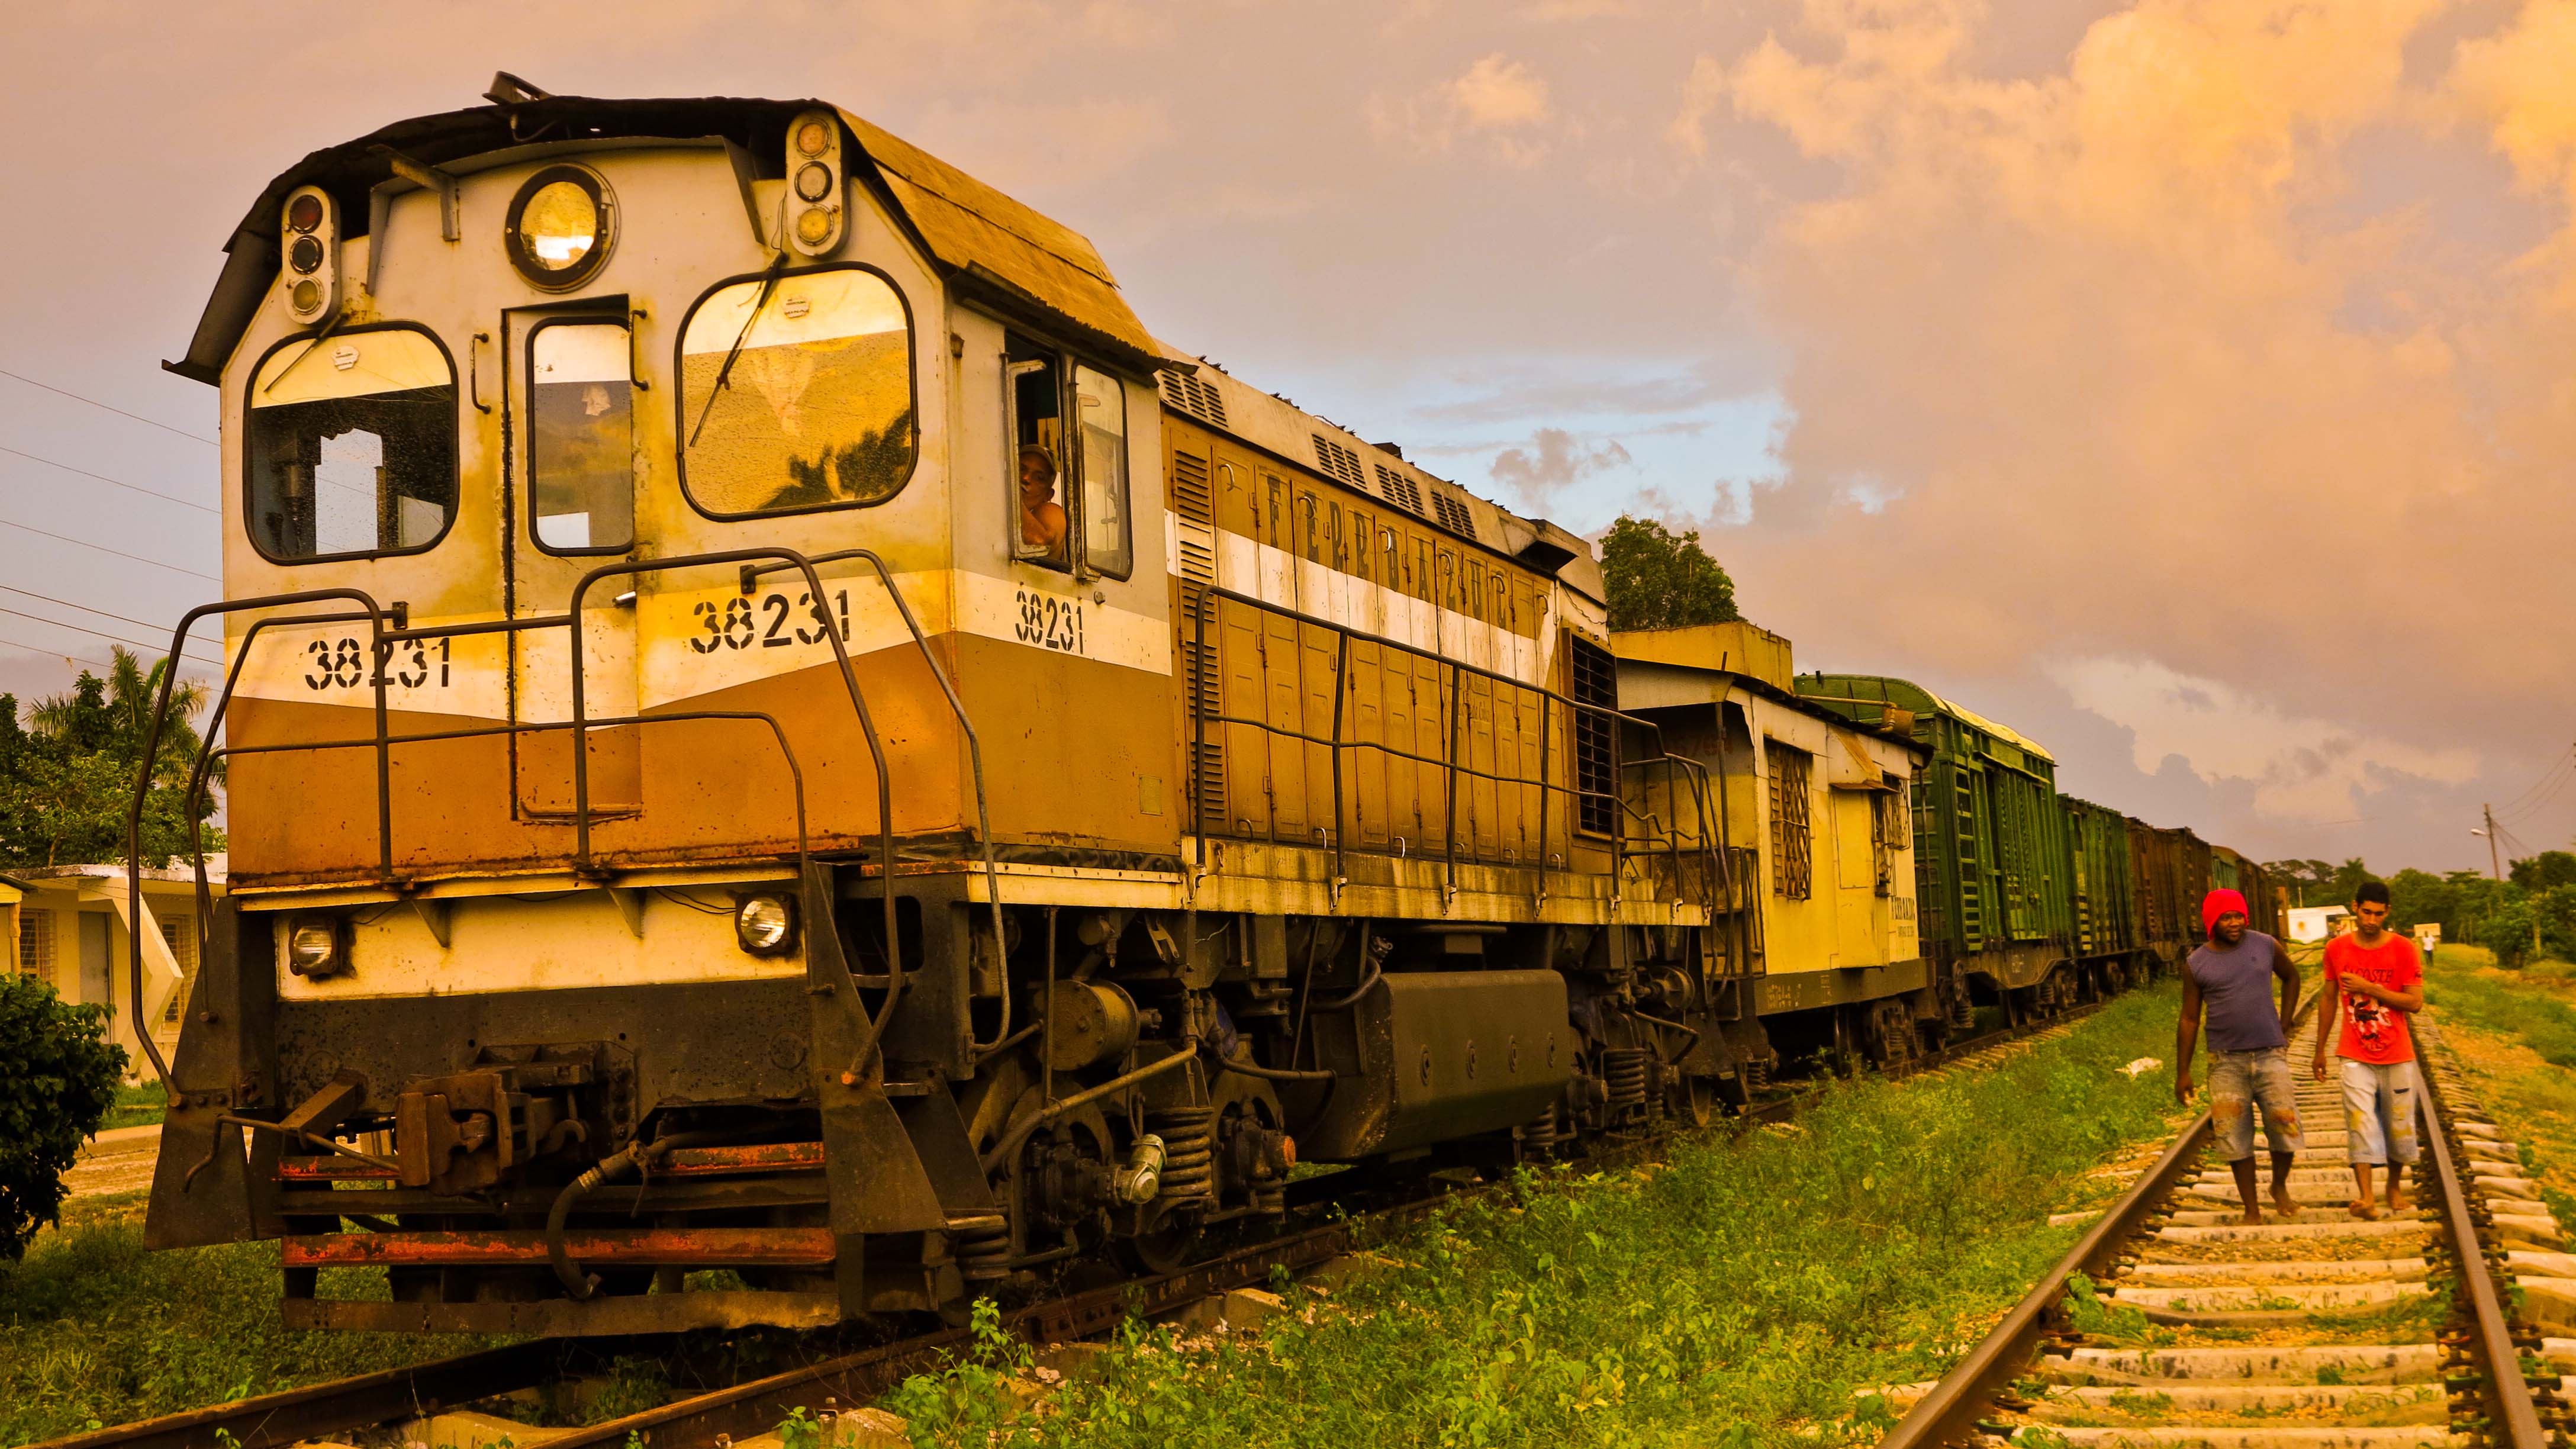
x=765, y=925
x=312, y=254
x=313, y=947
x=816, y=180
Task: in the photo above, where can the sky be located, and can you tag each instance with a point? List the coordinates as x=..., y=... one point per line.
x=2185, y=383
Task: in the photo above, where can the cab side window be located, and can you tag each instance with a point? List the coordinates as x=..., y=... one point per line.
x=1069, y=433
x=352, y=443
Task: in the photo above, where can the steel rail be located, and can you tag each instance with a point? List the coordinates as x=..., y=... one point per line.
x=1951, y=1412
x=2502, y=1386
x=316, y=1410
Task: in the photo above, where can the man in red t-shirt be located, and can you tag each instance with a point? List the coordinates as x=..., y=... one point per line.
x=2374, y=982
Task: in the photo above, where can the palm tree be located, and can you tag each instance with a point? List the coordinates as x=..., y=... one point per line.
x=130, y=692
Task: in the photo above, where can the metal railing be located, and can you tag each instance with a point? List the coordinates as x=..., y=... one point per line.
x=583, y=863
x=1698, y=883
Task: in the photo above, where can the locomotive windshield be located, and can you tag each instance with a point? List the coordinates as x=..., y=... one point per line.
x=796, y=393
x=352, y=446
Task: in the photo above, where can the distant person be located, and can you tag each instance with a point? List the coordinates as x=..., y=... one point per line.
x=2249, y=1045
x=1042, y=522
x=2374, y=982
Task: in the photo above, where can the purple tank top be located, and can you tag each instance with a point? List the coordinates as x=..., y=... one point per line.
x=2236, y=993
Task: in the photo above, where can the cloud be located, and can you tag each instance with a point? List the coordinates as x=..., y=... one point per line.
x=1553, y=461
x=2121, y=361
x=1499, y=101
x=2311, y=770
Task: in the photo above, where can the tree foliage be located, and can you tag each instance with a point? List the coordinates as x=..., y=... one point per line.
x=2545, y=871
x=1658, y=579
x=58, y=1078
x=67, y=773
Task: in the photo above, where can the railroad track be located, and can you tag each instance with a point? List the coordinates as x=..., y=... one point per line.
x=2172, y=1323
x=839, y=1380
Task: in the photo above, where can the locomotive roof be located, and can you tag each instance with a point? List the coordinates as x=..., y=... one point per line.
x=985, y=242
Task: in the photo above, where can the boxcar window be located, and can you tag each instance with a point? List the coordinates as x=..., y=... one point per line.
x=352, y=445
x=1102, y=401
x=581, y=436
x=1793, y=849
x=796, y=393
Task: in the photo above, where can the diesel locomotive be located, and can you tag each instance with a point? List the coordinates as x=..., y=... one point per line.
x=787, y=759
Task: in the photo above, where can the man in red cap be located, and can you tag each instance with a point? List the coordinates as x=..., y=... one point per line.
x=2249, y=1045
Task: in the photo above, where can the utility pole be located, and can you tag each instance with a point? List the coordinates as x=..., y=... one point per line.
x=2494, y=862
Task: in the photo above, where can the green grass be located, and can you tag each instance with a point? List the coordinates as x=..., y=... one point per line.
x=1737, y=1297
x=2532, y=1005
x=136, y=1106
x=94, y=1330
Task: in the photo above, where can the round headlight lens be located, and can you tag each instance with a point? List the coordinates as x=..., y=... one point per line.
x=305, y=255
x=811, y=138
x=305, y=212
x=307, y=296
x=312, y=948
x=815, y=227
x=765, y=924
x=560, y=227
x=813, y=181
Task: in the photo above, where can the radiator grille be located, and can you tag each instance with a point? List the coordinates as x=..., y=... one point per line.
x=1399, y=489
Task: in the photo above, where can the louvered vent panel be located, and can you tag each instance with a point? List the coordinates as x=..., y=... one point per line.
x=1454, y=515
x=1199, y=399
x=1191, y=498
x=1399, y=489
x=1337, y=460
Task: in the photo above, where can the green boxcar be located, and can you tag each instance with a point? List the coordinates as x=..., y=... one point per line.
x=2106, y=898
x=1991, y=855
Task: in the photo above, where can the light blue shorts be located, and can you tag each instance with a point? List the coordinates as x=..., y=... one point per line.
x=2379, y=1113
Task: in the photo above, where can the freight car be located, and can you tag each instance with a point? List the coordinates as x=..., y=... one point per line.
x=773, y=726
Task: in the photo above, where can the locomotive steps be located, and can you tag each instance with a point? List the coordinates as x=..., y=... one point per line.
x=2316, y=1329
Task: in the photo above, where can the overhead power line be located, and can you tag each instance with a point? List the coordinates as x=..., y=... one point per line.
x=55, y=653
x=102, y=613
x=111, y=407
x=103, y=548
x=114, y=482
x=2565, y=758
x=154, y=649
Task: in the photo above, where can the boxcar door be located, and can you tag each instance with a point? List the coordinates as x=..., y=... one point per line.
x=572, y=509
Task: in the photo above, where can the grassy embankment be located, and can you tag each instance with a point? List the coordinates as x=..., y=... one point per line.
x=2515, y=1032
x=136, y=1106
x=1737, y=1297
x=95, y=1330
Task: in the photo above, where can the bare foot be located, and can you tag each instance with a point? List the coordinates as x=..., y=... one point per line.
x=2253, y=1217
x=2284, y=1204
x=2399, y=1202
x=2364, y=1208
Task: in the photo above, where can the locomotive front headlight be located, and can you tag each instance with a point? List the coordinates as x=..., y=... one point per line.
x=765, y=925
x=313, y=947
x=560, y=227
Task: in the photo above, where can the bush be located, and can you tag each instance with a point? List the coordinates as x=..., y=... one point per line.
x=58, y=1077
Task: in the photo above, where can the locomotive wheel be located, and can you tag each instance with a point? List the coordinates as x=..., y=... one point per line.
x=1168, y=1247
x=1690, y=1101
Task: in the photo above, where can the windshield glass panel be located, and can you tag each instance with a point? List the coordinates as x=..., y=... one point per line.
x=1103, y=404
x=796, y=393
x=581, y=436
x=352, y=444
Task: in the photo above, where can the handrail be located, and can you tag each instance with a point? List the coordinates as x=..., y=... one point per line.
x=974, y=752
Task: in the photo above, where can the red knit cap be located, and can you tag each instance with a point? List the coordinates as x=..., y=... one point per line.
x=2218, y=903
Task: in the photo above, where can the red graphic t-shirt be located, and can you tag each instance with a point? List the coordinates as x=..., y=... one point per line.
x=2373, y=1032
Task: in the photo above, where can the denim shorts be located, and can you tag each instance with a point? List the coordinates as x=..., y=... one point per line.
x=2379, y=1112
x=2239, y=1082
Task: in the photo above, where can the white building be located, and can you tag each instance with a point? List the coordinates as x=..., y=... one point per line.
x=2316, y=923
x=69, y=924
